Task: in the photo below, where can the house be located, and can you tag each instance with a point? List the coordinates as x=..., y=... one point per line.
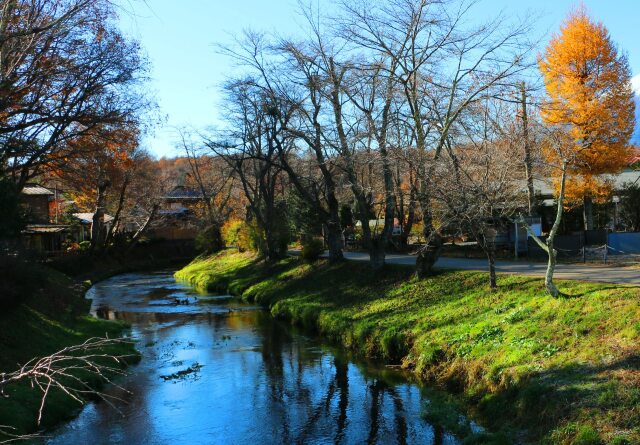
x=180, y=214
x=40, y=234
x=182, y=199
x=35, y=200
x=544, y=187
x=85, y=221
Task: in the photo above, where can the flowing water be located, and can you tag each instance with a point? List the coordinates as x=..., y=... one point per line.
x=215, y=371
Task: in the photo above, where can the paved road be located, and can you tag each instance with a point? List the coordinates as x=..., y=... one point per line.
x=605, y=274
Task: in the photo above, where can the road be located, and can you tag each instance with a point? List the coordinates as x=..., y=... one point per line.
x=604, y=274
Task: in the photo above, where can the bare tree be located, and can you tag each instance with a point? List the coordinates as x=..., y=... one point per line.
x=371, y=88
x=358, y=97
x=290, y=74
x=251, y=146
x=147, y=188
x=484, y=193
x=214, y=180
x=560, y=155
x=443, y=68
x=59, y=372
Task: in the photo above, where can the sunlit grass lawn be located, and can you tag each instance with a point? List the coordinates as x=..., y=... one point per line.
x=567, y=370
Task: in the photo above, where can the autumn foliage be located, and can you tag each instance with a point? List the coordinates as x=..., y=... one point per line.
x=590, y=98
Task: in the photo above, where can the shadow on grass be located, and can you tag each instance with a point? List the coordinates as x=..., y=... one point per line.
x=566, y=400
x=588, y=292
x=378, y=314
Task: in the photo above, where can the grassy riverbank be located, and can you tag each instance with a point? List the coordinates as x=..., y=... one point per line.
x=565, y=370
x=47, y=313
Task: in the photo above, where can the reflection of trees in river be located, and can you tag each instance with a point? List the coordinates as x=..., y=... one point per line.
x=310, y=398
x=299, y=392
x=342, y=382
x=273, y=340
x=438, y=435
x=379, y=389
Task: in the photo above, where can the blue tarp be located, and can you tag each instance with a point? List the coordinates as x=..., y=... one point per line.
x=624, y=242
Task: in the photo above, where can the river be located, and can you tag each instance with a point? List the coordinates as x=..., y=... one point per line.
x=216, y=371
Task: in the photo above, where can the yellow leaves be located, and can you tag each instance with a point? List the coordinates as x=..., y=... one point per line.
x=590, y=99
x=579, y=187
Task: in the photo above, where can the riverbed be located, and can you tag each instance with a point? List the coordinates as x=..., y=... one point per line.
x=216, y=371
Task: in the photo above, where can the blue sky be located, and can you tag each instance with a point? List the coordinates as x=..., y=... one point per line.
x=179, y=38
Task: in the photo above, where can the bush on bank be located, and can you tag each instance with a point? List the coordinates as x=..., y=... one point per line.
x=565, y=370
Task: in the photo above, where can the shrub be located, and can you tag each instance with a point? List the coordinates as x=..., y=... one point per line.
x=312, y=248
x=209, y=240
x=256, y=239
x=247, y=236
x=231, y=231
x=240, y=234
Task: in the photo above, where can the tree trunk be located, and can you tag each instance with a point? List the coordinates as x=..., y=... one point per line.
x=428, y=254
x=587, y=213
x=272, y=252
x=116, y=217
x=97, y=223
x=493, y=284
x=377, y=253
x=334, y=229
x=408, y=225
x=548, y=246
x=551, y=266
x=334, y=242
x=379, y=244
x=136, y=237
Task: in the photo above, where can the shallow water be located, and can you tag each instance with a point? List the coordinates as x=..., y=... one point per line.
x=219, y=372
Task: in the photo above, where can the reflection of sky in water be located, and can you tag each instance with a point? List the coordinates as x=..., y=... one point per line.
x=260, y=381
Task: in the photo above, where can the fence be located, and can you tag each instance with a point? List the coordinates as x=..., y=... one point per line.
x=593, y=246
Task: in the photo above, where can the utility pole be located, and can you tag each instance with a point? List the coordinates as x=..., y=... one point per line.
x=528, y=167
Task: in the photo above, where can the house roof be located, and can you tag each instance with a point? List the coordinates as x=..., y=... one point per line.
x=182, y=192
x=44, y=228
x=545, y=187
x=35, y=189
x=87, y=218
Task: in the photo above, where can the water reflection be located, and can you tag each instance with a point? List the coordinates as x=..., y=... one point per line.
x=215, y=371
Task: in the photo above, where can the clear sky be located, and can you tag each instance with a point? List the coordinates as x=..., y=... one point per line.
x=179, y=38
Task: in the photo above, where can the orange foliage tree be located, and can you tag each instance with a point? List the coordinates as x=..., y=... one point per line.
x=590, y=97
x=99, y=161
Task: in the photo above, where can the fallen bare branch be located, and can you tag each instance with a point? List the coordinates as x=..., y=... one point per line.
x=60, y=371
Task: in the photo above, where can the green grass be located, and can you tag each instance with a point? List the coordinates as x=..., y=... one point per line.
x=52, y=316
x=566, y=371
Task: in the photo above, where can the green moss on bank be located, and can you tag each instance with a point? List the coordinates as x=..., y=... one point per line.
x=566, y=370
x=52, y=316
